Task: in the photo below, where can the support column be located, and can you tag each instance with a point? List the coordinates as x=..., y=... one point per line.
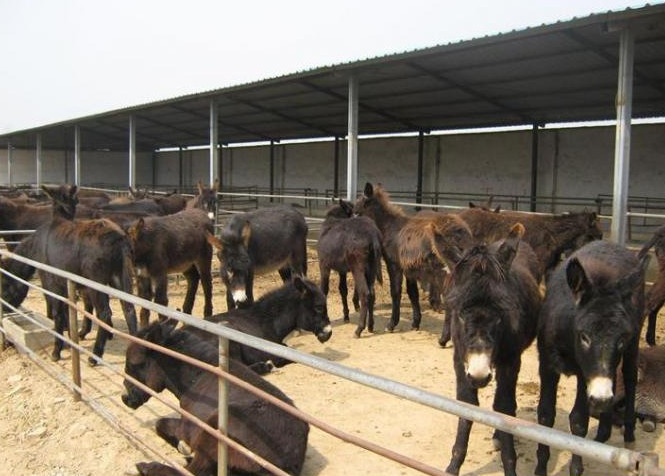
x=38, y=158
x=272, y=169
x=624, y=105
x=180, y=169
x=132, y=151
x=419, y=186
x=352, y=145
x=10, y=152
x=214, y=142
x=534, y=167
x=77, y=156
x=336, y=170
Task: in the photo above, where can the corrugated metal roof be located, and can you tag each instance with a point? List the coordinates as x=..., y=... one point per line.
x=566, y=71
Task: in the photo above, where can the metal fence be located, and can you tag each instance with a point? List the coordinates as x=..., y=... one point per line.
x=624, y=459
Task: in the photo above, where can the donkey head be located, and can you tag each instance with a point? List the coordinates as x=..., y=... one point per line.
x=64, y=200
x=604, y=327
x=313, y=312
x=206, y=200
x=341, y=209
x=141, y=363
x=233, y=254
x=480, y=311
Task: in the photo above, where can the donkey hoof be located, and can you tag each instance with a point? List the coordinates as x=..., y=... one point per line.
x=346, y=319
x=184, y=449
x=370, y=329
x=82, y=335
x=55, y=357
x=92, y=362
x=415, y=328
x=357, y=333
x=649, y=426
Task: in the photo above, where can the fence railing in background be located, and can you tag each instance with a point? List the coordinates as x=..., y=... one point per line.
x=642, y=463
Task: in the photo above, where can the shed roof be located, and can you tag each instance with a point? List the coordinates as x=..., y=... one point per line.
x=561, y=72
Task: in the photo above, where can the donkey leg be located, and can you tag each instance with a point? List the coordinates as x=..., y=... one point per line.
x=230, y=302
x=468, y=394
x=58, y=315
x=206, y=283
x=285, y=273
x=192, y=276
x=445, y=331
x=249, y=289
x=412, y=291
x=505, y=402
x=629, y=368
x=103, y=311
x=549, y=382
x=651, y=324
x=144, y=290
x=371, y=299
x=161, y=292
x=86, y=325
x=344, y=292
x=395, y=275
x=361, y=287
x=579, y=423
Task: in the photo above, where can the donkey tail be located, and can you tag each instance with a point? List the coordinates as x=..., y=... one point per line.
x=375, y=258
x=13, y=291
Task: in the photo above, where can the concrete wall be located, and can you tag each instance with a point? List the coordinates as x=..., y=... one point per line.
x=572, y=163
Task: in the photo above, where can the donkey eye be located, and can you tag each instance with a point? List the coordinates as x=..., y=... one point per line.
x=585, y=340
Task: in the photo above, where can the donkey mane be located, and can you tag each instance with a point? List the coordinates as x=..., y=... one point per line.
x=383, y=198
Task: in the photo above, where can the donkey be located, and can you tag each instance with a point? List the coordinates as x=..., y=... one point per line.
x=206, y=199
x=259, y=242
x=656, y=295
x=95, y=249
x=256, y=424
x=410, y=246
x=21, y=216
x=352, y=245
x=549, y=236
x=299, y=304
x=172, y=244
x=590, y=321
x=493, y=300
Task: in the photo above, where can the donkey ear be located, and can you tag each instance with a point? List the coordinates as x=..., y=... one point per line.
x=299, y=283
x=472, y=205
x=47, y=191
x=73, y=190
x=578, y=282
x=369, y=190
x=508, y=249
x=246, y=233
x=200, y=187
x=593, y=219
x=214, y=241
x=497, y=209
x=629, y=283
x=346, y=206
x=215, y=188
x=155, y=333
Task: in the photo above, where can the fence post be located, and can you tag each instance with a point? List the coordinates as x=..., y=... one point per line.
x=74, y=336
x=223, y=407
x=3, y=339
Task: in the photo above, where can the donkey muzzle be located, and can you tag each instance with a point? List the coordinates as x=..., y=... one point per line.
x=324, y=334
x=132, y=403
x=478, y=369
x=601, y=396
x=239, y=295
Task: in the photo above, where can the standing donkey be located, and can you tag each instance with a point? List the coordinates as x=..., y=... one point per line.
x=590, y=322
x=256, y=243
x=655, y=297
x=493, y=300
x=351, y=244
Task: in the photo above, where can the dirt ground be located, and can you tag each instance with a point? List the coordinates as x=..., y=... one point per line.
x=43, y=432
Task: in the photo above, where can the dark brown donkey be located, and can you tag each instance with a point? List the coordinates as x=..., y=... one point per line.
x=656, y=295
x=95, y=249
x=256, y=424
x=259, y=242
x=411, y=246
x=172, y=244
x=494, y=301
x=206, y=199
x=351, y=244
x=549, y=236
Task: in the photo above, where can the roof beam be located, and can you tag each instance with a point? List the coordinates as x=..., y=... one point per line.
x=219, y=121
x=174, y=128
x=153, y=140
x=473, y=92
x=362, y=105
x=286, y=117
x=612, y=59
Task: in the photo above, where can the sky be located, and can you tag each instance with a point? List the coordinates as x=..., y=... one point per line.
x=67, y=58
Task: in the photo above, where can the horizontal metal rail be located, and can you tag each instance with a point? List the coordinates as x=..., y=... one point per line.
x=16, y=232
x=620, y=458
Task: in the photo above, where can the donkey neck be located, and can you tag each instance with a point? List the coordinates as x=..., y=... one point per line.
x=279, y=310
x=388, y=220
x=8, y=213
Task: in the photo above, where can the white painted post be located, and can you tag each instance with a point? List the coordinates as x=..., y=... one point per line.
x=352, y=142
x=10, y=152
x=38, y=158
x=132, y=151
x=214, y=136
x=77, y=155
x=624, y=105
